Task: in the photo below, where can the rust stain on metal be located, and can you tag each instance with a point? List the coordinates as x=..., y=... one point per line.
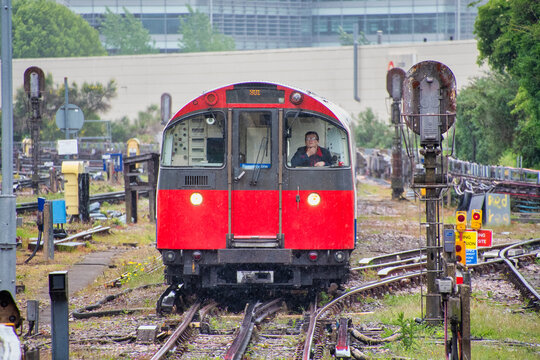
x=411, y=94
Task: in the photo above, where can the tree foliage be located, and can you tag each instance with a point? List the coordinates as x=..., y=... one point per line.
x=43, y=28
x=509, y=39
x=126, y=35
x=486, y=123
x=92, y=98
x=198, y=35
x=348, y=39
x=371, y=132
x=147, y=126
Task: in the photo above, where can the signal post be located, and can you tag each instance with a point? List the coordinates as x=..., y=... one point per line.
x=429, y=110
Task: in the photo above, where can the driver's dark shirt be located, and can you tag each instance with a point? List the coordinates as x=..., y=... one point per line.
x=301, y=158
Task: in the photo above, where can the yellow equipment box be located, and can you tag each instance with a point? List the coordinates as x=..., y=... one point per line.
x=71, y=171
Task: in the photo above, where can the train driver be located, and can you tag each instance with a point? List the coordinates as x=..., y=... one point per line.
x=311, y=154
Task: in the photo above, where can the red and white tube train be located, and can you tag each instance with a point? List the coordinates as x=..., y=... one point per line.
x=233, y=208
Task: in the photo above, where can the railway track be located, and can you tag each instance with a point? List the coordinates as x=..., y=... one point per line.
x=254, y=314
x=527, y=290
x=109, y=197
x=331, y=312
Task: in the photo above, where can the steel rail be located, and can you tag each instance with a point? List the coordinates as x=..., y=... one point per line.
x=171, y=343
x=322, y=311
x=310, y=333
x=404, y=257
x=111, y=196
x=526, y=289
x=255, y=313
x=395, y=279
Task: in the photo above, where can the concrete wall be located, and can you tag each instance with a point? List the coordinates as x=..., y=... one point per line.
x=326, y=71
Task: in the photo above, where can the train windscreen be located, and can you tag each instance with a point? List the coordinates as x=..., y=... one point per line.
x=195, y=141
x=330, y=137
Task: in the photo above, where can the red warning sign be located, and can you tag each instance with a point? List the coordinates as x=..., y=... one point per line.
x=484, y=238
x=390, y=65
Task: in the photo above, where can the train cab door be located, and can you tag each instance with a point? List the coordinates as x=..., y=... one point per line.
x=253, y=179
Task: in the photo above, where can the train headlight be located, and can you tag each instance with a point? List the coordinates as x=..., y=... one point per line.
x=197, y=255
x=313, y=256
x=339, y=256
x=313, y=199
x=169, y=256
x=196, y=199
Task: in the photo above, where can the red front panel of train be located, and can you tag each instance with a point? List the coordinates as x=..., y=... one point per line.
x=255, y=213
x=182, y=225
x=328, y=225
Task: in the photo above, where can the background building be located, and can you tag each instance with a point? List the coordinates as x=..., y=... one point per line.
x=272, y=24
x=142, y=79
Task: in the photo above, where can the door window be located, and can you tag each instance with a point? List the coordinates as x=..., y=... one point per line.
x=254, y=136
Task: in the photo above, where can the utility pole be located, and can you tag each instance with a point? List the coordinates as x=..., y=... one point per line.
x=8, y=219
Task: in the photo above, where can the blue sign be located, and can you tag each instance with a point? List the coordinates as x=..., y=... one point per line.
x=117, y=160
x=40, y=204
x=471, y=256
x=252, y=166
x=58, y=211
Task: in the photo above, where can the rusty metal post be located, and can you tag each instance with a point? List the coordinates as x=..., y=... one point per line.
x=429, y=98
x=433, y=298
x=131, y=195
x=34, y=84
x=397, y=163
x=394, y=83
x=48, y=236
x=465, y=297
x=53, y=180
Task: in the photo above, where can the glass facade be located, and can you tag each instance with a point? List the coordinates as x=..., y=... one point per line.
x=269, y=24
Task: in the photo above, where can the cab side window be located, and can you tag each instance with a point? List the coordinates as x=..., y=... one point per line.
x=196, y=141
x=331, y=137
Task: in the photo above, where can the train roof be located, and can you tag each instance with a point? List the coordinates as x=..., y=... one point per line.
x=325, y=106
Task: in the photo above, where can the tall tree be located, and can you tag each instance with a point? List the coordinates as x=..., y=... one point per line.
x=198, y=35
x=92, y=98
x=126, y=35
x=43, y=28
x=371, y=132
x=486, y=124
x=509, y=39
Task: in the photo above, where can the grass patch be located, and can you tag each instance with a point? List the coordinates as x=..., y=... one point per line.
x=489, y=321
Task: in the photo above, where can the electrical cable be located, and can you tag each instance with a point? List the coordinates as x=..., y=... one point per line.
x=36, y=248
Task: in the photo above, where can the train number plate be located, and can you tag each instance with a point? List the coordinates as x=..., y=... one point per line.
x=254, y=277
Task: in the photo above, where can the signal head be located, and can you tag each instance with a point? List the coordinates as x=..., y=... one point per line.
x=461, y=221
x=476, y=219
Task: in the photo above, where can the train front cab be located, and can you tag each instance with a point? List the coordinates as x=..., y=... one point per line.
x=232, y=211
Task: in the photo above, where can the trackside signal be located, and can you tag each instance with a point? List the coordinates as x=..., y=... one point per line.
x=476, y=219
x=460, y=250
x=461, y=221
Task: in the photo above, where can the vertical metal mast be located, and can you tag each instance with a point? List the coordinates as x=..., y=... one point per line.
x=8, y=242
x=429, y=97
x=394, y=84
